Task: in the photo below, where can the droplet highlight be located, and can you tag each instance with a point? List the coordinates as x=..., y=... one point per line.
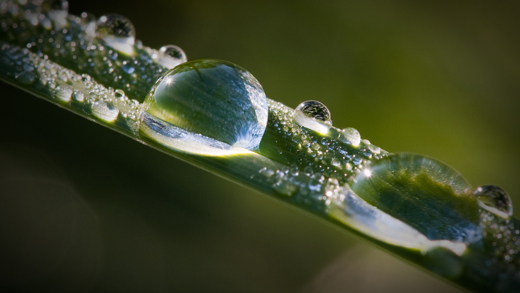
x=495, y=200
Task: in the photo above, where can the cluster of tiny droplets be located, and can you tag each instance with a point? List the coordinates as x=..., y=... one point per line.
x=65, y=86
x=320, y=153
x=502, y=240
x=303, y=187
x=73, y=48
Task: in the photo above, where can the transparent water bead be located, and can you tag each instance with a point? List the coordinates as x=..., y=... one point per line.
x=170, y=56
x=117, y=31
x=206, y=104
x=495, y=200
x=349, y=208
x=424, y=193
x=57, y=11
x=313, y=115
x=350, y=135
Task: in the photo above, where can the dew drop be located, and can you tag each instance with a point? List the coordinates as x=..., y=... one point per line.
x=119, y=94
x=285, y=187
x=424, y=193
x=170, y=56
x=105, y=111
x=63, y=93
x=78, y=96
x=117, y=31
x=266, y=172
x=212, y=102
x=313, y=115
x=351, y=136
x=495, y=200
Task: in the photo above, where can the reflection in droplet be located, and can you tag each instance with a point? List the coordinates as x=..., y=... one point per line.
x=350, y=135
x=313, y=115
x=117, y=31
x=348, y=208
x=170, y=56
x=495, y=200
x=210, y=102
x=424, y=193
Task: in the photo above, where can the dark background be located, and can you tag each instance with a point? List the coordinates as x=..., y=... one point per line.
x=84, y=208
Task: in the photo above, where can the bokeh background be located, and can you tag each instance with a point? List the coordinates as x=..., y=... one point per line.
x=83, y=208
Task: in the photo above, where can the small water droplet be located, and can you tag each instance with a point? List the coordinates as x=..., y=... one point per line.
x=119, y=94
x=495, y=200
x=63, y=93
x=351, y=136
x=78, y=96
x=105, y=111
x=170, y=56
x=117, y=31
x=313, y=115
x=214, y=99
x=128, y=68
x=266, y=172
x=285, y=187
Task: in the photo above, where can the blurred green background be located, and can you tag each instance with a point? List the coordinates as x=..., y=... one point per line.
x=83, y=208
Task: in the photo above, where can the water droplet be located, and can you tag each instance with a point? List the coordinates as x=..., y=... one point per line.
x=212, y=99
x=351, y=136
x=119, y=94
x=105, y=111
x=78, y=96
x=63, y=93
x=424, y=193
x=128, y=68
x=313, y=115
x=117, y=31
x=495, y=200
x=170, y=56
x=285, y=187
x=266, y=172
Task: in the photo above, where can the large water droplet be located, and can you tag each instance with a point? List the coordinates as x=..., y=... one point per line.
x=495, y=200
x=313, y=115
x=170, y=56
x=206, y=102
x=424, y=193
x=117, y=31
